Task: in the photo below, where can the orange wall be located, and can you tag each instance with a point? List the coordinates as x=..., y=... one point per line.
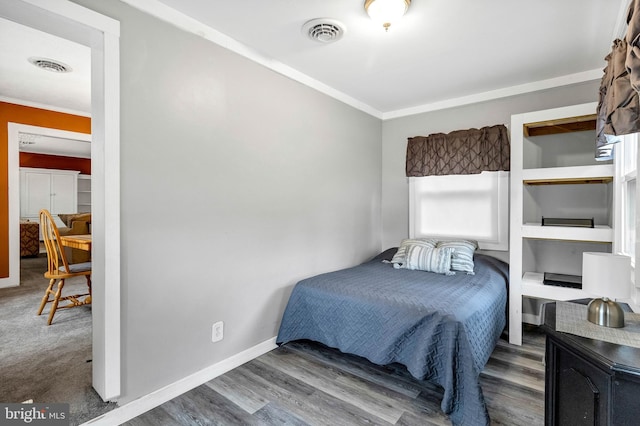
x=12, y=113
x=43, y=161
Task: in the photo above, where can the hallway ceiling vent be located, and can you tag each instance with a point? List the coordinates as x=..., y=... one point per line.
x=323, y=30
x=50, y=65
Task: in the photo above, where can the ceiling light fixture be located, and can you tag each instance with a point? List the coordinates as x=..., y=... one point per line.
x=386, y=12
x=50, y=64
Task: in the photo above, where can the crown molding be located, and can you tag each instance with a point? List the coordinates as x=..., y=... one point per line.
x=535, y=86
x=44, y=106
x=191, y=25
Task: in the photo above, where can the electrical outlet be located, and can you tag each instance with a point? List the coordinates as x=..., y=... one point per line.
x=217, y=332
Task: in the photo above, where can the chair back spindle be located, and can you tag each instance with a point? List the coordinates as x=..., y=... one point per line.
x=55, y=252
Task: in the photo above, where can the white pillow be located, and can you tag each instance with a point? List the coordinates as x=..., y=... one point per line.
x=400, y=257
x=462, y=257
x=423, y=258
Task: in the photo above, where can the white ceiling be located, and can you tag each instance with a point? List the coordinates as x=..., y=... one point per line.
x=20, y=80
x=441, y=50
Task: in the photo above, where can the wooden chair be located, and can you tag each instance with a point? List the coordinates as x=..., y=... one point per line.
x=59, y=269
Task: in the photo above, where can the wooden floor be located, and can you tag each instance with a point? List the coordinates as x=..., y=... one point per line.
x=304, y=383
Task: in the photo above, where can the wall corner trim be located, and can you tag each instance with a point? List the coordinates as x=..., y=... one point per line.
x=162, y=395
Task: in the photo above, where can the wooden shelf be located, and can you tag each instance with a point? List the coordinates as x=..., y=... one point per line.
x=599, y=234
x=569, y=181
x=564, y=125
x=602, y=173
x=532, y=286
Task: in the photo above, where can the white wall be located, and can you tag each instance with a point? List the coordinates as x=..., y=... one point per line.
x=395, y=189
x=236, y=183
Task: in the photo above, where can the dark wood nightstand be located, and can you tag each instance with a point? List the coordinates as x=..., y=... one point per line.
x=587, y=381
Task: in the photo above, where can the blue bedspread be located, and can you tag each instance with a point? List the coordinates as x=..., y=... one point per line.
x=442, y=328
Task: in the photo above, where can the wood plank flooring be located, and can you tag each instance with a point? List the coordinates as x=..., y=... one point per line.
x=304, y=383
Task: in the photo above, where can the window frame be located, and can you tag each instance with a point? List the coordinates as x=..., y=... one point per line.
x=626, y=159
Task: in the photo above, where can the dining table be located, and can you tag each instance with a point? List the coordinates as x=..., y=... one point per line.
x=82, y=241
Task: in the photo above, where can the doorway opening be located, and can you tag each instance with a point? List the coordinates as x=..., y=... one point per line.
x=101, y=35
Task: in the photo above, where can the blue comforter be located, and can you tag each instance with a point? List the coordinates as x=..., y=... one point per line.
x=442, y=328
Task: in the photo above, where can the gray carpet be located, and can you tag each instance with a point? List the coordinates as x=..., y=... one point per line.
x=46, y=364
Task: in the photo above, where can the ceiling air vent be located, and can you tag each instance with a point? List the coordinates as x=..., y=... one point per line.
x=323, y=30
x=50, y=65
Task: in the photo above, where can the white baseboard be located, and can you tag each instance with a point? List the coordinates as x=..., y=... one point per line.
x=145, y=403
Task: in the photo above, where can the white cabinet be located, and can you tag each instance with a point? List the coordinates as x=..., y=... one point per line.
x=84, y=193
x=554, y=175
x=54, y=190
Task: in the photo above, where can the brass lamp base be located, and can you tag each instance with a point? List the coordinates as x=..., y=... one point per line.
x=605, y=312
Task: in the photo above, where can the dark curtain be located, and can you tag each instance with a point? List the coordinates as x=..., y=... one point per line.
x=618, y=107
x=461, y=152
x=632, y=37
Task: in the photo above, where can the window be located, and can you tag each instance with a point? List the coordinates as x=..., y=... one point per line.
x=461, y=206
x=626, y=173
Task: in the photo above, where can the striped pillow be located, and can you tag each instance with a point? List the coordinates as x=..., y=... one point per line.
x=462, y=257
x=399, y=258
x=429, y=259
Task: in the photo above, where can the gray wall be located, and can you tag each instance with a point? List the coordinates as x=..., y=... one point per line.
x=236, y=182
x=395, y=188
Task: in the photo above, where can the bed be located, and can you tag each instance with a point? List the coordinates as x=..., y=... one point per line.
x=442, y=328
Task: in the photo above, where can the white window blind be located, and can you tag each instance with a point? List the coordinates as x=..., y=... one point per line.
x=461, y=206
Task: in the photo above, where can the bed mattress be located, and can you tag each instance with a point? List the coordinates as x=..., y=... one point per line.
x=442, y=328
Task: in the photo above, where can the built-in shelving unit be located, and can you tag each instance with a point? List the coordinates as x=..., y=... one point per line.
x=554, y=175
x=84, y=193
